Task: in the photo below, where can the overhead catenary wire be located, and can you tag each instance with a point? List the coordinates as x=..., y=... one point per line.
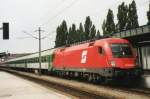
x=30, y=35
x=23, y=37
x=56, y=7
x=60, y=12
x=48, y=34
x=50, y=20
x=55, y=16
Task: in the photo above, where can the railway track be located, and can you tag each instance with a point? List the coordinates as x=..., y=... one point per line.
x=83, y=90
x=130, y=89
x=127, y=88
x=66, y=89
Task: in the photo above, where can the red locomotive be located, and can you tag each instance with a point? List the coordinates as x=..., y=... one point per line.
x=108, y=58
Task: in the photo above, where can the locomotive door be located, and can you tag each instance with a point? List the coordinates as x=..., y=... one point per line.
x=102, y=57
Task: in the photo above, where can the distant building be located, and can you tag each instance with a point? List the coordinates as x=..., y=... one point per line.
x=6, y=56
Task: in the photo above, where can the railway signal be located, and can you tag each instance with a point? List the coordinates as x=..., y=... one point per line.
x=5, y=31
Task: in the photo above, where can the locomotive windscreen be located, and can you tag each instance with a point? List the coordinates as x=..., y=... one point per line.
x=121, y=50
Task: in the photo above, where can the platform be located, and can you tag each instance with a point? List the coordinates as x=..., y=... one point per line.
x=13, y=87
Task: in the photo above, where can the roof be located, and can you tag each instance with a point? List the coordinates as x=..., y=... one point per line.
x=43, y=53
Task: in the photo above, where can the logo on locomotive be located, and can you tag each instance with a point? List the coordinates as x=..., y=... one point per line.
x=84, y=56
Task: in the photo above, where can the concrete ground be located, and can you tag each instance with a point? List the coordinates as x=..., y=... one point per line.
x=13, y=87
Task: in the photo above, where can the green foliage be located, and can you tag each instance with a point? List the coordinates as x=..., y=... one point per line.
x=148, y=16
x=108, y=26
x=69, y=39
x=87, y=27
x=61, y=35
x=81, y=33
x=58, y=37
x=92, y=32
x=98, y=35
x=132, y=16
x=122, y=17
x=74, y=35
x=104, y=27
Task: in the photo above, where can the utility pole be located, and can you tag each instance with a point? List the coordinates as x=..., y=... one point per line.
x=39, y=38
x=39, y=30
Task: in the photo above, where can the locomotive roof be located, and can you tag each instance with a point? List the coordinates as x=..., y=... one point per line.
x=94, y=43
x=113, y=40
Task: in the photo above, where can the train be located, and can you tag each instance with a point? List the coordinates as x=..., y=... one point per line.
x=107, y=58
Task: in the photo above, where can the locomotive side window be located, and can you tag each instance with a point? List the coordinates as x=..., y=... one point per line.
x=121, y=50
x=101, y=50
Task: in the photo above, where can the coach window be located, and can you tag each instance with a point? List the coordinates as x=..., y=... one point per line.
x=41, y=59
x=101, y=50
x=38, y=59
x=44, y=58
x=34, y=60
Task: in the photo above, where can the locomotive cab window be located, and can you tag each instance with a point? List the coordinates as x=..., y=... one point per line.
x=121, y=50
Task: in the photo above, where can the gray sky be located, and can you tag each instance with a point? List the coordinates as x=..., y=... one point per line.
x=28, y=15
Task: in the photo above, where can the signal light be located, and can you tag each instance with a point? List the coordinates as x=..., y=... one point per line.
x=5, y=31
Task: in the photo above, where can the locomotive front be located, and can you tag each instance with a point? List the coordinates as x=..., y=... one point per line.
x=123, y=59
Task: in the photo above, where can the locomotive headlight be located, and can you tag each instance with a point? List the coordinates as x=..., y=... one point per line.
x=113, y=64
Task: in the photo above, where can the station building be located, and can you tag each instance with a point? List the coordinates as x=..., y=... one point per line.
x=140, y=39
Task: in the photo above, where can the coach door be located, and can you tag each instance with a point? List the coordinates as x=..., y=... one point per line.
x=49, y=62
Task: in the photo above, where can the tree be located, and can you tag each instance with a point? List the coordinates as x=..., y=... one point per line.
x=122, y=17
x=109, y=25
x=69, y=39
x=148, y=16
x=132, y=16
x=58, y=36
x=104, y=27
x=98, y=35
x=93, y=32
x=81, y=33
x=64, y=32
x=87, y=27
x=81, y=28
x=61, y=36
x=72, y=35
